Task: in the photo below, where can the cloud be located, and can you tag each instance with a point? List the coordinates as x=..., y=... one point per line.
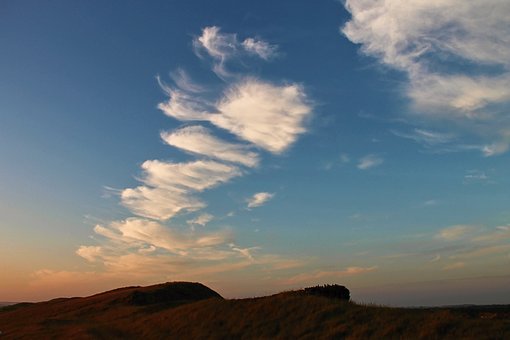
x=426, y=137
x=453, y=266
x=485, y=251
x=223, y=47
x=316, y=275
x=260, y=48
x=429, y=203
x=89, y=253
x=144, y=234
x=201, y=219
x=474, y=175
x=454, y=232
x=503, y=228
x=259, y=199
x=500, y=234
x=267, y=115
x=369, y=161
x=168, y=187
x=184, y=82
x=455, y=54
x=247, y=252
x=199, y=140
x=344, y=158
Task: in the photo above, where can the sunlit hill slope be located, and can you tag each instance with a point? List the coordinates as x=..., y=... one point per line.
x=184, y=310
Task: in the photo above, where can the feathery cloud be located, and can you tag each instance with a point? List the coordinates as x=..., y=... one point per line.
x=260, y=48
x=199, y=140
x=168, y=187
x=223, y=47
x=426, y=137
x=184, y=82
x=454, y=232
x=369, y=161
x=267, y=115
x=259, y=199
x=201, y=220
x=89, y=253
x=428, y=40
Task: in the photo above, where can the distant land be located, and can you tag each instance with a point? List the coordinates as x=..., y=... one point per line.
x=185, y=310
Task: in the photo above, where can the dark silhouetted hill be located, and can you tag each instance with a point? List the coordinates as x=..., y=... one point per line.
x=183, y=310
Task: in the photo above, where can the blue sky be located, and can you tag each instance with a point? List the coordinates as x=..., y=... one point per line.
x=256, y=147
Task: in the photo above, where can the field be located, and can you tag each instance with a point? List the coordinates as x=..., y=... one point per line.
x=191, y=310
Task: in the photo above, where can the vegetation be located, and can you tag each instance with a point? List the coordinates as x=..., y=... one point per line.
x=330, y=291
x=119, y=314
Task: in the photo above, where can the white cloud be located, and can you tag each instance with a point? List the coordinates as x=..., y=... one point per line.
x=184, y=106
x=184, y=82
x=168, y=187
x=199, y=140
x=426, y=137
x=259, y=199
x=89, y=253
x=247, y=252
x=476, y=176
x=454, y=232
x=267, y=115
x=223, y=47
x=455, y=53
x=136, y=242
x=201, y=219
x=369, y=161
x=260, y=48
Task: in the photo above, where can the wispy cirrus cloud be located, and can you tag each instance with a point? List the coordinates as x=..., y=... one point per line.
x=369, y=161
x=199, y=140
x=455, y=54
x=260, y=48
x=269, y=116
x=455, y=232
x=201, y=220
x=257, y=114
x=426, y=137
x=475, y=175
x=259, y=199
x=223, y=47
x=169, y=187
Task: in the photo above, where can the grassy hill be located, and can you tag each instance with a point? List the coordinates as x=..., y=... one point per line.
x=190, y=310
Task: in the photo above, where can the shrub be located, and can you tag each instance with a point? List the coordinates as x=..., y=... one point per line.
x=331, y=291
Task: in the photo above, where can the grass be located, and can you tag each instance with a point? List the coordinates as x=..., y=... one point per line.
x=282, y=316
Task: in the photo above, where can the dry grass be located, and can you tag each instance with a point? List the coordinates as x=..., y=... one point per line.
x=282, y=316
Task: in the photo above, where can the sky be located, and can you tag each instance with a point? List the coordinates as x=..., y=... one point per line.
x=256, y=147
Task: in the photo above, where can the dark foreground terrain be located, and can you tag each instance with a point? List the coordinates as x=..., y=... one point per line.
x=190, y=310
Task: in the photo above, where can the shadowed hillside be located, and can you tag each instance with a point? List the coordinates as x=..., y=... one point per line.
x=191, y=310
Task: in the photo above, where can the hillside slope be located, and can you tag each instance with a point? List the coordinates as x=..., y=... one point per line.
x=173, y=311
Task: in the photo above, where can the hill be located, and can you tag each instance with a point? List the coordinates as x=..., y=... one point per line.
x=191, y=310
